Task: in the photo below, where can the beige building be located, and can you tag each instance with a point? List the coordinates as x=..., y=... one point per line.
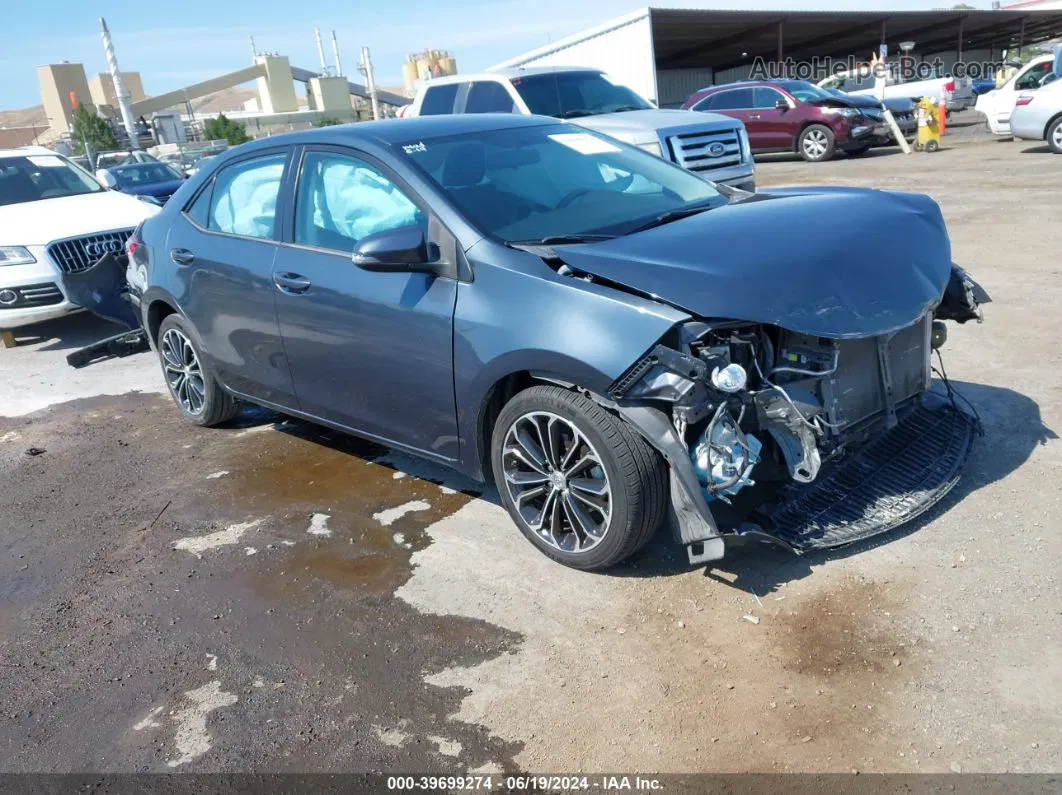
x=101, y=88
x=62, y=86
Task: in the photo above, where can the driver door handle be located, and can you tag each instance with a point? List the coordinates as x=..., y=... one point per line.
x=291, y=283
x=182, y=256
x=755, y=116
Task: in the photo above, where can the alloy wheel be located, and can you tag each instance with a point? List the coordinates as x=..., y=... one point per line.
x=184, y=374
x=557, y=481
x=815, y=143
x=1056, y=136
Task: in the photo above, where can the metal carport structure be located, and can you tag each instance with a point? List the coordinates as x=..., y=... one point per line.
x=667, y=53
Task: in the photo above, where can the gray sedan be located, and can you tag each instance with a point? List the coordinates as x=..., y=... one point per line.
x=1037, y=116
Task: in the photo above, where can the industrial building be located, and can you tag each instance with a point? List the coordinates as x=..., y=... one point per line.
x=665, y=54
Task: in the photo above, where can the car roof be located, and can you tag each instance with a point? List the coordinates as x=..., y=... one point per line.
x=396, y=131
x=509, y=74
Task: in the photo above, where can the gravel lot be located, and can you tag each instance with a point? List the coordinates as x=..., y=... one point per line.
x=278, y=597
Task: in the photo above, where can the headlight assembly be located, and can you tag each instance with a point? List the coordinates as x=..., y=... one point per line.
x=15, y=255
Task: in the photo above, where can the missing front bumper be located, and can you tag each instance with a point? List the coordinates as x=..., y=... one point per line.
x=888, y=482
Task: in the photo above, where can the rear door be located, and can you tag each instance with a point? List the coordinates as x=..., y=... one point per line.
x=222, y=246
x=738, y=104
x=372, y=352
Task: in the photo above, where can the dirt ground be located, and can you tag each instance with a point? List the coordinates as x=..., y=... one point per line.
x=277, y=597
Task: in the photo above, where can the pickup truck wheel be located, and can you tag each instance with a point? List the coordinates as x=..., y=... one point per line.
x=188, y=376
x=577, y=481
x=1054, y=136
x=816, y=143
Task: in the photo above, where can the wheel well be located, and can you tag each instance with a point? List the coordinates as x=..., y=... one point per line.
x=1052, y=120
x=499, y=394
x=807, y=123
x=157, y=312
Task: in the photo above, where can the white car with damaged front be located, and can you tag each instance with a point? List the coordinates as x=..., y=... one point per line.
x=55, y=218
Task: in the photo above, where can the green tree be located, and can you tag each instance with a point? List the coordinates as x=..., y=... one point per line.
x=93, y=129
x=327, y=121
x=225, y=128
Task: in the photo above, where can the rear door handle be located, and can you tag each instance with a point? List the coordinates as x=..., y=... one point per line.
x=291, y=283
x=182, y=256
x=755, y=116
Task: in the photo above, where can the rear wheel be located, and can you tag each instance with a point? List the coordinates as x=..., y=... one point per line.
x=577, y=481
x=816, y=143
x=1054, y=136
x=188, y=376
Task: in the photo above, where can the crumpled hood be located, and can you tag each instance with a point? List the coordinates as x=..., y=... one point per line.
x=831, y=262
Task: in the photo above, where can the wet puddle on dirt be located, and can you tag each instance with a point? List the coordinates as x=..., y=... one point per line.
x=354, y=524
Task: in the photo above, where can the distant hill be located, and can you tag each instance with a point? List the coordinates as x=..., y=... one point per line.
x=27, y=117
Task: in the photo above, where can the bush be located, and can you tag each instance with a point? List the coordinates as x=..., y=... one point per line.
x=225, y=128
x=327, y=121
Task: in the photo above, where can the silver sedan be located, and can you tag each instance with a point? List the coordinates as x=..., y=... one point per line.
x=1037, y=116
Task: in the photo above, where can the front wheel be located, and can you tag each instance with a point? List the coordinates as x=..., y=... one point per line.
x=1054, y=136
x=577, y=481
x=816, y=143
x=188, y=376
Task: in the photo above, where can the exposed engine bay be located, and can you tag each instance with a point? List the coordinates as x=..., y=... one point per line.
x=770, y=417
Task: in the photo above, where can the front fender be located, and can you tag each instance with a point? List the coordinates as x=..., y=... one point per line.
x=518, y=315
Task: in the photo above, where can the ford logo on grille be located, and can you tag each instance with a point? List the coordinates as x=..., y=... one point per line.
x=716, y=149
x=101, y=247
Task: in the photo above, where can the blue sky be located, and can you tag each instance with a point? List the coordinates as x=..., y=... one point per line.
x=176, y=43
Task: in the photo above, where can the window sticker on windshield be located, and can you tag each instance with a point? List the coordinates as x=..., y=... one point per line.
x=414, y=148
x=46, y=161
x=584, y=143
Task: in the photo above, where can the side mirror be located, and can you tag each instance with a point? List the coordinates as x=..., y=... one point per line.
x=401, y=250
x=106, y=179
x=781, y=105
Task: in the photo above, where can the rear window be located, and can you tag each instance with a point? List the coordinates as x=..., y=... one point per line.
x=439, y=100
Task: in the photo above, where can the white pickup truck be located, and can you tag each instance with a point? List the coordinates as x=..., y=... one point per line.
x=711, y=145
x=957, y=92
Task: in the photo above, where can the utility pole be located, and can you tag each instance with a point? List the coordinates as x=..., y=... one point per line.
x=320, y=51
x=370, y=81
x=119, y=88
x=335, y=51
x=254, y=52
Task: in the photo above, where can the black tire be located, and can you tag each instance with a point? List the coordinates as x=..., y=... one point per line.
x=824, y=139
x=932, y=146
x=636, y=475
x=862, y=150
x=215, y=406
x=1054, y=136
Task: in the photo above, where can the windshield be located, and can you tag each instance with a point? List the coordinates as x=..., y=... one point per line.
x=36, y=177
x=807, y=92
x=137, y=174
x=530, y=183
x=568, y=95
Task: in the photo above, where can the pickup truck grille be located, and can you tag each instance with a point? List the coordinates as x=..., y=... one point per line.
x=81, y=253
x=706, y=151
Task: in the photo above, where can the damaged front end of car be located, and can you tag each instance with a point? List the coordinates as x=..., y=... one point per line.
x=803, y=440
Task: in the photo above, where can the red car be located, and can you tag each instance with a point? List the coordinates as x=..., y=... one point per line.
x=793, y=116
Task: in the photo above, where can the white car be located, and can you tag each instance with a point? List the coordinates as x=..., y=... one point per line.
x=957, y=92
x=1037, y=116
x=54, y=219
x=997, y=105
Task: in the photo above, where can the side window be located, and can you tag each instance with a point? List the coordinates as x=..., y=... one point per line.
x=439, y=100
x=486, y=96
x=199, y=210
x=764, y=98
x=857, y=82
x=341, y=199
x=1032, y=78
x=735, y=99
x=244, y=199
x=708, y=103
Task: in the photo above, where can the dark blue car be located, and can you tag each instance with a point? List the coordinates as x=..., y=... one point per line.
x=157, y=180
x=615, y=342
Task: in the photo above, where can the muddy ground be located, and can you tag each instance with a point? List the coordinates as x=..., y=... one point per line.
x=277, y=597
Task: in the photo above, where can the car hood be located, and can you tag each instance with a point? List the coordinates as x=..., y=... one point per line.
x=642, y=126
x=39, y=223
x=830, y=262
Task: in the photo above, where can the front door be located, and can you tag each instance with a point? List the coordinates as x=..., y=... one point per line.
x=369, y=351
x=777, y=127
x=223, y=245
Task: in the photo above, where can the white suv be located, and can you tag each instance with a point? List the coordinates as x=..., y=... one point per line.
x=54, y=219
